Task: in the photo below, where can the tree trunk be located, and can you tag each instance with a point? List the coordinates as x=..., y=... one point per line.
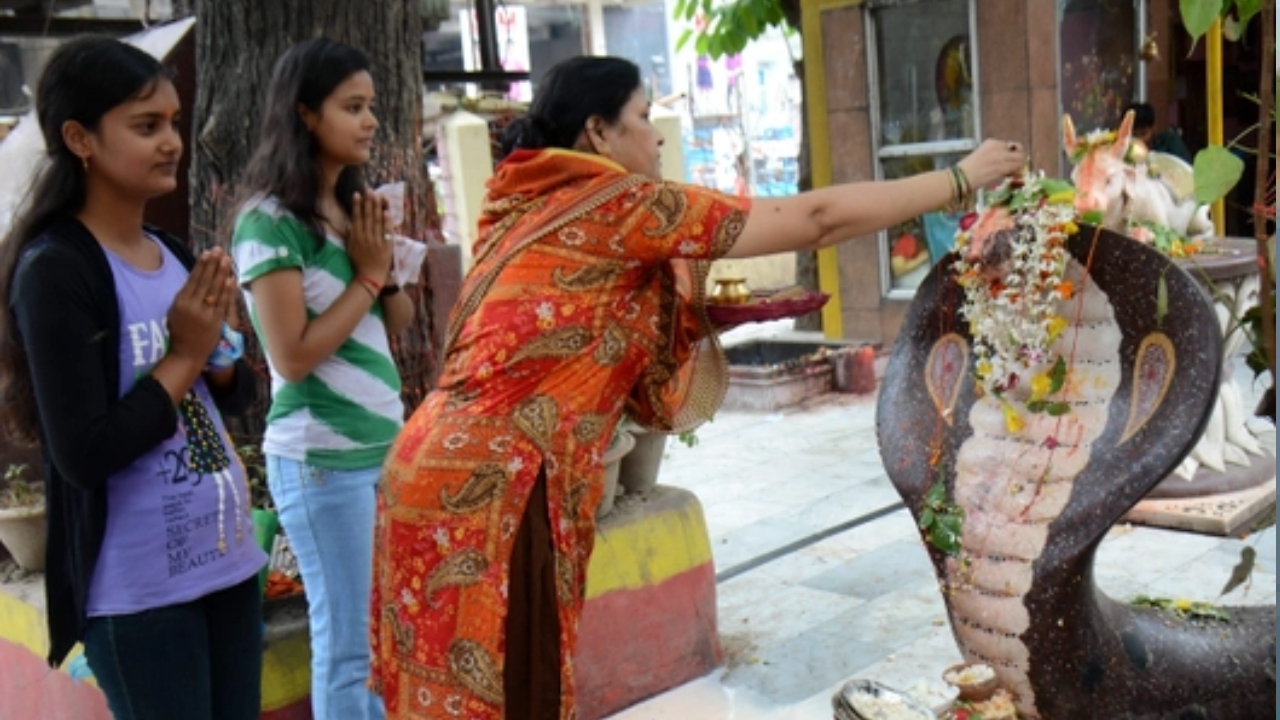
x=237, y=43
x=806, y=260
x=1264, y=180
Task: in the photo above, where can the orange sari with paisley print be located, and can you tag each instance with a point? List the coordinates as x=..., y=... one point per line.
x=585, y=303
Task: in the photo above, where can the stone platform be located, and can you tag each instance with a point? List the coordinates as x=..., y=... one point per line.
x=1227, y=514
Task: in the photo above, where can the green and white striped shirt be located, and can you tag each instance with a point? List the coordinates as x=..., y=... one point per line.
x=345, y=414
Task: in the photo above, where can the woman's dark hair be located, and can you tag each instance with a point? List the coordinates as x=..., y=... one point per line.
x=85, y=79
x=284, y=162
x=570, y=93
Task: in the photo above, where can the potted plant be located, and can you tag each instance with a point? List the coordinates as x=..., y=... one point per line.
x=619, y=447
x=22, y=518
x=266, y=521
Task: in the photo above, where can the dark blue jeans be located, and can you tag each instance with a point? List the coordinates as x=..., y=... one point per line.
x=200, y=660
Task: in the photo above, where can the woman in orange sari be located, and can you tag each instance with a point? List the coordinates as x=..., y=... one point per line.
x=585, y=303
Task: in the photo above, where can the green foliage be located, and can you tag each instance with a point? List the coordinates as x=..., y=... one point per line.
x=18, y=491
x=942, y=520
x=1198, y=16
x=1217, y=170
x=1185, y=609
x=729, y=26
x=255, y=472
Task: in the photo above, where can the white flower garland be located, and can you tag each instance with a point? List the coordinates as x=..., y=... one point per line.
x=1013, y=316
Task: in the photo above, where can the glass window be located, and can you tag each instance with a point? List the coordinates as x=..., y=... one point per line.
x=1097, y=39
x=925, y=117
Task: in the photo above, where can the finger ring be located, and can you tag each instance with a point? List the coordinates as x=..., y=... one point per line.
x=210, y=300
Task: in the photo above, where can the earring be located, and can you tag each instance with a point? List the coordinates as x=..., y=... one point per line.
x=85, y=162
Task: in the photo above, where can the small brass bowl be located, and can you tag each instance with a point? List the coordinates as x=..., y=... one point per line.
x=731, y=291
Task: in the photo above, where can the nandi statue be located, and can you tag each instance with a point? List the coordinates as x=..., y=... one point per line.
x=1109, y=181
x=1126, y=192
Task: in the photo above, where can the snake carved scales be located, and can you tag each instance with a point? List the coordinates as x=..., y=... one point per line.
x=1021, y=596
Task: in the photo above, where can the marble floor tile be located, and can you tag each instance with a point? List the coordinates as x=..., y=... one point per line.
x=892, y=620
x=790, y=611
x=797, y=668
x=879, y=572
x=922, y=661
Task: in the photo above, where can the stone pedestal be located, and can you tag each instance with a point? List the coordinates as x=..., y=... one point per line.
x=1225, y=500
x=649, y=623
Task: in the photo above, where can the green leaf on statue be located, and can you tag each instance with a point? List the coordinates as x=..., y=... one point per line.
x=1162, y=300
x=1058, y=409
x=1054, y=186
x=937, y=494
x=1093, y=217
x=946, y=534
x=926, y=519
x=1217, y=170
x=1058, y=375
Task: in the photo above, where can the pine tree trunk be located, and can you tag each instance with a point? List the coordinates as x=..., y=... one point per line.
x=237, y=43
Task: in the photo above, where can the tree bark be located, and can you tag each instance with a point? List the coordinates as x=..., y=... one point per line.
x=1264, y=180
x=237, y=43
x=806, y=260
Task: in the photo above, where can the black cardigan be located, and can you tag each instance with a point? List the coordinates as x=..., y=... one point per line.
x=63, y=299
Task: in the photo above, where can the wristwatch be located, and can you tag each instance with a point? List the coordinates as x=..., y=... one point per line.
x=388, y=290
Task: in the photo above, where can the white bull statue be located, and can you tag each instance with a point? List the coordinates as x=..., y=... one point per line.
x=1125, y=190
x=1123, y=186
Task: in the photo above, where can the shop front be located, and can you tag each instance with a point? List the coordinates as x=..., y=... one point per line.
x=899, y=87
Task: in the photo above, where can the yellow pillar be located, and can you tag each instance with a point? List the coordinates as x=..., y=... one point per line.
x=815, y=110
x=1213, y=101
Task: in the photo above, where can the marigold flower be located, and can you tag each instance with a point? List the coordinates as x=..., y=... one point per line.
x=1066, y=289
x=1057, y=324
x=1040, y=386
x=1012, y=420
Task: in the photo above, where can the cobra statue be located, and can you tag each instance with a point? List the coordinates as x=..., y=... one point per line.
x=1145, y=357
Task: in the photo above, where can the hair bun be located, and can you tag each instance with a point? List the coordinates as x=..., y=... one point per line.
x=525, y=132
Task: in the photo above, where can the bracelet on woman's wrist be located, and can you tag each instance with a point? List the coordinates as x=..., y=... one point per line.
x=373, y=286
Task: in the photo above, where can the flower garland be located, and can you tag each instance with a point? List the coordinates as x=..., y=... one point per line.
x=1012, y=306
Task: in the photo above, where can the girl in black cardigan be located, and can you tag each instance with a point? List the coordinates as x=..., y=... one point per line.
x=115, y=354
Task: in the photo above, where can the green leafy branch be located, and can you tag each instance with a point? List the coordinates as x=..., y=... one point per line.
x=18, y=491
x=941, y=520
x=1057, y=379
x=728, y=27
x=1198, y=16
x=1185, y=609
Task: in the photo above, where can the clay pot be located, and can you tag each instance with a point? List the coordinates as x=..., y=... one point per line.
x=22, y=530
x=639, y=471
x=976, y=689
x=622, y=444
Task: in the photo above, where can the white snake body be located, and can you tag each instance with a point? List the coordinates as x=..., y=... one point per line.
x=1012, y=487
